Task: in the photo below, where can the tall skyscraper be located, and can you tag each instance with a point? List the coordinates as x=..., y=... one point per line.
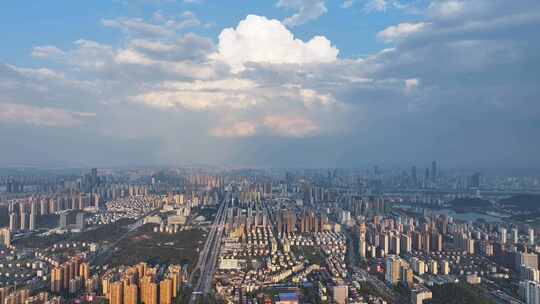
x=434, y=171
x=414, y=176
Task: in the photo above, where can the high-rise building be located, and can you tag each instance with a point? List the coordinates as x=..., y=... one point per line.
x=24, y=220
x=502, y=235
x=406, y=275
x=393, y=268
x=433, y=267
x=406, y=243
x=79, y=221
x=116, y=295
x=475, y=180
x=436, y=242
x=149, y=290
x=152, y=293
x=43, y=207
x=5, y=234
x=419, y=294
x=395, y=244
x=33, y=221
x=340, y=294
x=529, y=274
x=362, y=248
x=418, y=266
x=165, y=291
x=17, y=296
x=63, y=221
x=470, y=246
x=286, y=222
x=414, y=176
x=57, y=276
x=416, y=240
x=515, y=235
x=66, y=271
x=130, y=294
x=426, y=242
x=531, y=236
x=529, y=292
x=75, y=285
x=434, y=171
x=4, y=292
x=445, y=267
x=84, y=271
x=175, y=273
x=527, y=260
x=384, y=243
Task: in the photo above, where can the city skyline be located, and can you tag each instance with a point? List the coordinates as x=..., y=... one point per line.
x=201, y=235
x=270, y=83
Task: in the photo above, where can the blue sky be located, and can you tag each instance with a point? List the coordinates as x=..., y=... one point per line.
x=29, y=23
x=314, y=83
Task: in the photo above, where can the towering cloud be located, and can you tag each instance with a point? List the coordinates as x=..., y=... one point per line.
x=258, y=39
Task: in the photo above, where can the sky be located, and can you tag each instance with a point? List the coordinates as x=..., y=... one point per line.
x=270, y=83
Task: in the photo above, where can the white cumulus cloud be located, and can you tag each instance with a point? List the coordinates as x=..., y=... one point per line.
x=261, y=40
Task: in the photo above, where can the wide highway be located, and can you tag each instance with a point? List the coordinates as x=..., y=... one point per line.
x=208, y=256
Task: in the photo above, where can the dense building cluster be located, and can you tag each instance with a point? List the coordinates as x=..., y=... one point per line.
x=311, y=236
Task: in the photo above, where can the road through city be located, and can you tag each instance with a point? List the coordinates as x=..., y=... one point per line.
x=208, y=256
